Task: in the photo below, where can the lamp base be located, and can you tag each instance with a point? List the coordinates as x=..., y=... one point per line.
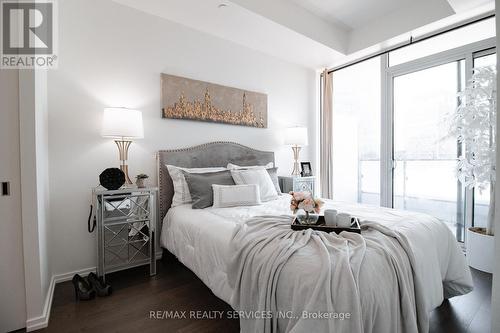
x=123, y=146
x=296, y=169
x=124, y=168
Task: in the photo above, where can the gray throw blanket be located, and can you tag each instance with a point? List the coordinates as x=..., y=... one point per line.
x=310, y=281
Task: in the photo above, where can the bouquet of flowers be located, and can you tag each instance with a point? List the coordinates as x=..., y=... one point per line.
x=305, y=201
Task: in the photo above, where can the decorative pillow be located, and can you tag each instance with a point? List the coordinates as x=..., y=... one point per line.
x=256, y=176
x=231, y=166
x=273, y=172
x=200, y=186
x=181, y=189
x=236, y=195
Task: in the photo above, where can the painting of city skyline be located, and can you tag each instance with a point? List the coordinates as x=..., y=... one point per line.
x=189, y=99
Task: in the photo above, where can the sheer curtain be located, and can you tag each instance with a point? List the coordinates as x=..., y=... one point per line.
x=326, y=144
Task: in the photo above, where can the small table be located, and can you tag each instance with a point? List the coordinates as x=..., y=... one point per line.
x=297, y=184
x=126, y=228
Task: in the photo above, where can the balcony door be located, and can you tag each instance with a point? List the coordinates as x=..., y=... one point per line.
x=424, y=155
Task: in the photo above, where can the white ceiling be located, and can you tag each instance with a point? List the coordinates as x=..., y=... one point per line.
x=312, y=33
x=351, y=13
x=244, y=27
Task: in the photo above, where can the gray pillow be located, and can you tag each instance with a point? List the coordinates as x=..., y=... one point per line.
x=200, y=186
x=273, y=172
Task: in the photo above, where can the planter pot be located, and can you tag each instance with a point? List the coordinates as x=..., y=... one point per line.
x=480, y=250
x=140, y=183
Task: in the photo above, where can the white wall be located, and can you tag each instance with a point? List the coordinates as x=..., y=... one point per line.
x=111, y=55
x=42, y=175
x=34, y=194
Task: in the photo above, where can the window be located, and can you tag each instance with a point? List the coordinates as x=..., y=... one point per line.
x=482, y=198
x=356, y=119
x=425, y=156
x=410, y=97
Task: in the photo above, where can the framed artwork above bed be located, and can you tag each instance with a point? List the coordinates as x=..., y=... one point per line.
x=189, y=99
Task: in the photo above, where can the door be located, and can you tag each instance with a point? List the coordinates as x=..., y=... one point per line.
x=13, y=295
x=424, y=177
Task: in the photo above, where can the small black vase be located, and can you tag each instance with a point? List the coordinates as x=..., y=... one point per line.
x=112, y=178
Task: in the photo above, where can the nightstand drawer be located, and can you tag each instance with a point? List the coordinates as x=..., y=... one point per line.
x=303, y=185
x=297, y=184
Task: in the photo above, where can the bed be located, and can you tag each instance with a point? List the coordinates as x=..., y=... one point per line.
x=410, y=262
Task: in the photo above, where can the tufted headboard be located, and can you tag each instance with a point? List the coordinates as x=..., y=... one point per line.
x=213, y=154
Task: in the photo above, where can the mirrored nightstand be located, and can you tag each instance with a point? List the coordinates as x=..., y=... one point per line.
x=126, y=228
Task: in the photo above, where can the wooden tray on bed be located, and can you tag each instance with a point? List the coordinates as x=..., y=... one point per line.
x=320, y=225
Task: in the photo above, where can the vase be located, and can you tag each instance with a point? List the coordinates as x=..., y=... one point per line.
x=480, y=242
x=480, y=249
x=307, y=218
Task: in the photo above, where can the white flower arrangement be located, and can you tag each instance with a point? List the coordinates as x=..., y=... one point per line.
x=305, y=201
x=474, y=125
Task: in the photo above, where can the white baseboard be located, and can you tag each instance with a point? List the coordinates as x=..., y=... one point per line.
x=68, y=276
x=36, y=323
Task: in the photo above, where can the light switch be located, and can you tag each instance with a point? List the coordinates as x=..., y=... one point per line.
x=5, y=188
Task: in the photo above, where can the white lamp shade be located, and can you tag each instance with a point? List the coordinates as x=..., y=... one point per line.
x=296, y=136
x=122, y=123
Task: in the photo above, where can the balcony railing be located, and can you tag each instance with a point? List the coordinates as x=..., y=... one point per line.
x=425, y=185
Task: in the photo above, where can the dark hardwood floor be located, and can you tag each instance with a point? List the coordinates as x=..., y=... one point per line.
x=176, y=288
x=467, y=313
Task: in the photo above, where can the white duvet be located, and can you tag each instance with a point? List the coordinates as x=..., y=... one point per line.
x=201, y=240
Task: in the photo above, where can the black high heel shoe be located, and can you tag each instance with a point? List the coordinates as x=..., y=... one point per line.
x=83, y=290
x=101, y=288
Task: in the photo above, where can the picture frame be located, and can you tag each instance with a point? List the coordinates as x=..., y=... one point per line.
x=188, y=99
x=306, y=169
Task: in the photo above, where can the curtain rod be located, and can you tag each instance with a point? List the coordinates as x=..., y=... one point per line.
x=413, y=41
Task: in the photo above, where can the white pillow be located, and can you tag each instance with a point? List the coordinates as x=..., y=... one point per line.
x=181, y=189
x=236, y=195
x=231, y=166
x=256, y=176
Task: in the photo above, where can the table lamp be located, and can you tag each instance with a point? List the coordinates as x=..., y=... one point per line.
x=124, y=125
x=297, y=138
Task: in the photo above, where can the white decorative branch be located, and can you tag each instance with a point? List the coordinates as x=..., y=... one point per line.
x=474, y=125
